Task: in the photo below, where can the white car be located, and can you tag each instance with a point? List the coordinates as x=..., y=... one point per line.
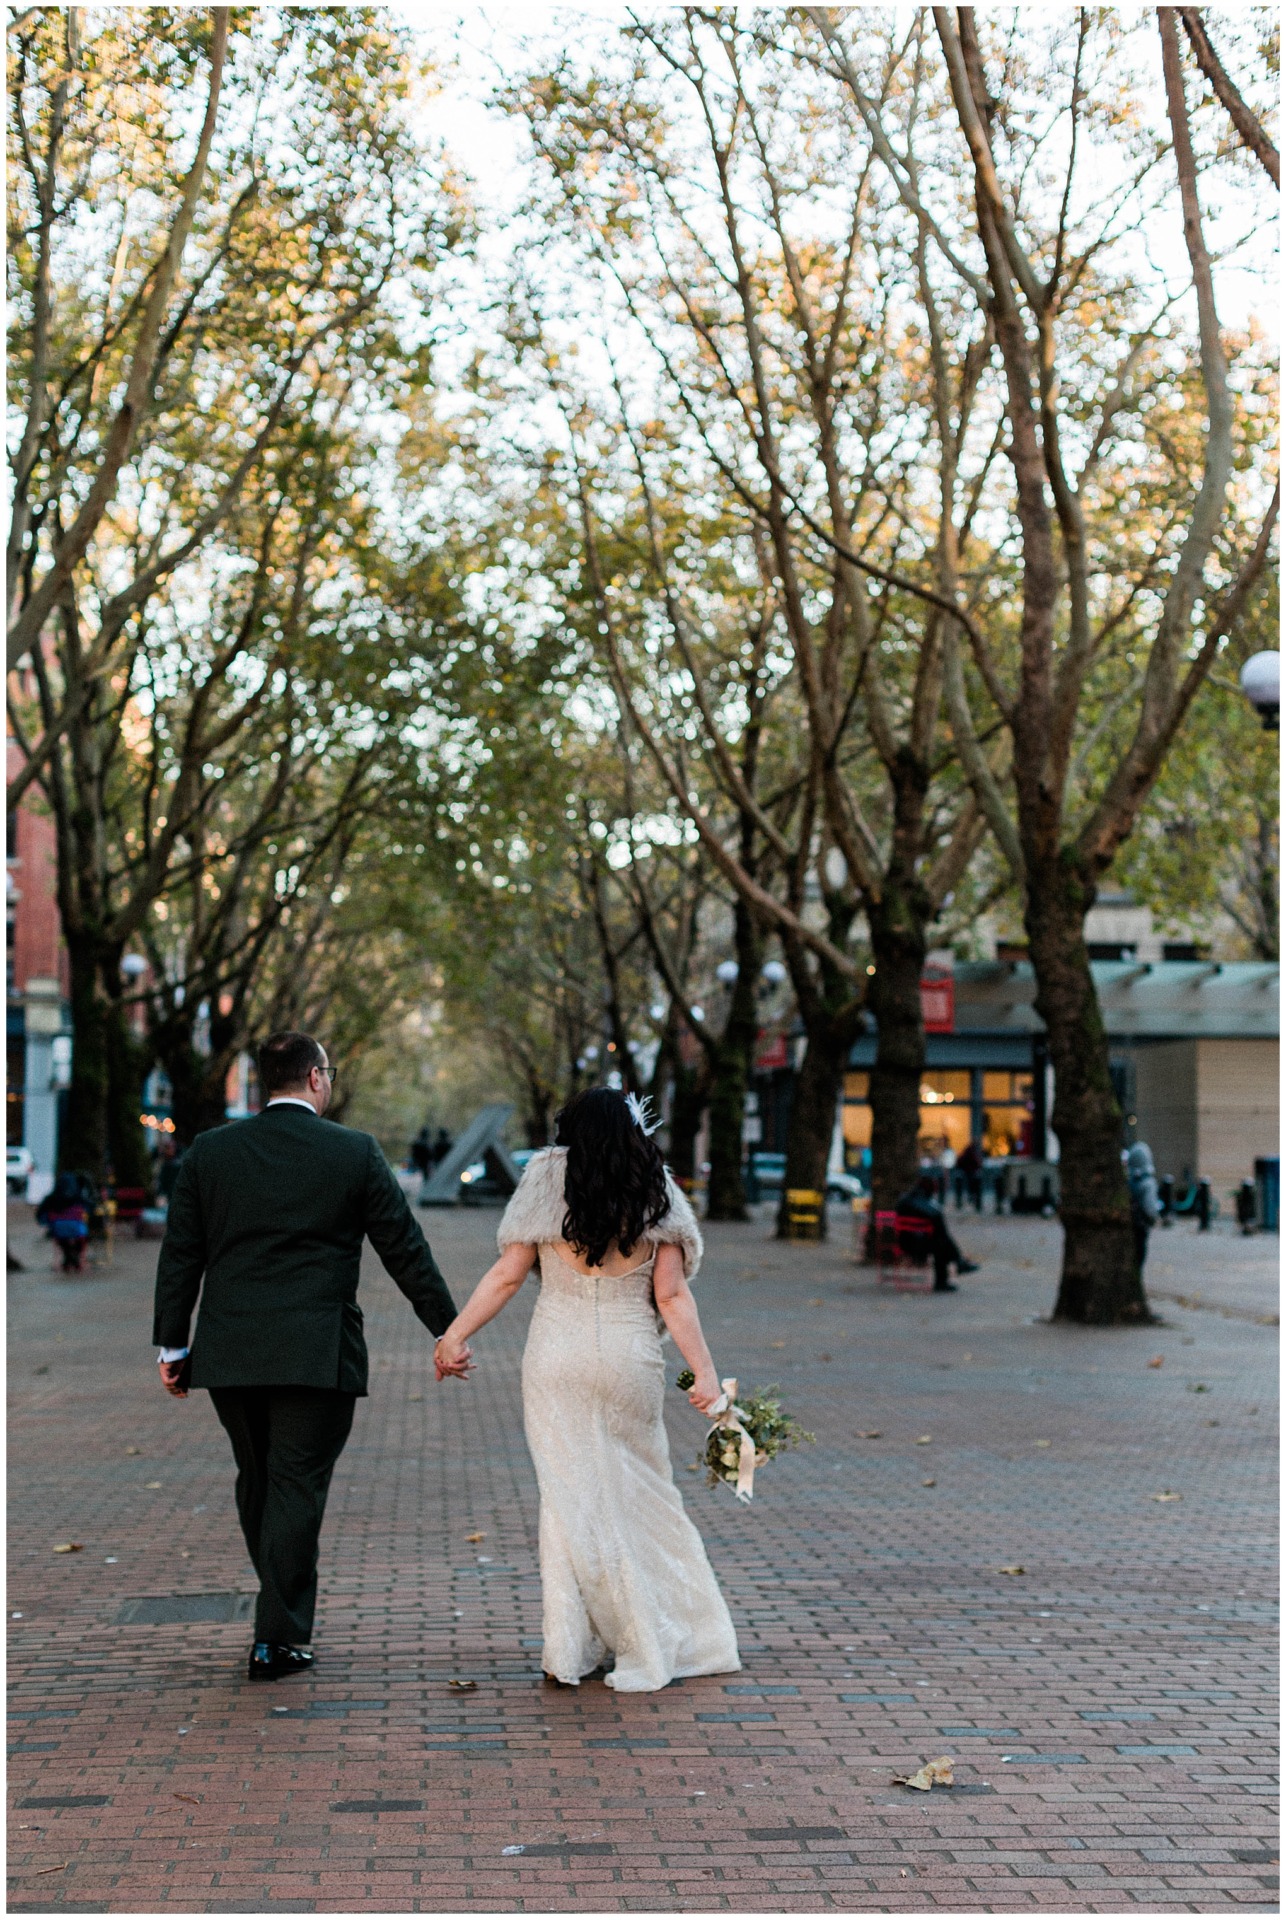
x=18, y=1162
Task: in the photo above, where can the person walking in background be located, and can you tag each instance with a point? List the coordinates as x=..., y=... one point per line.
x=442, y=1145
x=270, y=1213
x=969, y=1170
x=622, y=1568
x=921, y=1203
x=1145, y=1197
x=422, y=1151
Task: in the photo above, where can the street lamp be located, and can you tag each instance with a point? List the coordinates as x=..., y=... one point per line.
x=1260, y=682
x=773, y=972
x=727, y=971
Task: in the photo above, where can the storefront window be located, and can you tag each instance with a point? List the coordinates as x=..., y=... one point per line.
x=944, y=1089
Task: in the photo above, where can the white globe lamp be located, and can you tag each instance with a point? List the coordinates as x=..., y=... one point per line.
x=1261, y=684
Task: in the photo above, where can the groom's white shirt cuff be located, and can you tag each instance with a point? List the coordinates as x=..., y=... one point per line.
x=168, y=1355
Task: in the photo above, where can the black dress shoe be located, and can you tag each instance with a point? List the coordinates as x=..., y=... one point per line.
x=966, y=1266
x=271, y=1661
x=945, y=1286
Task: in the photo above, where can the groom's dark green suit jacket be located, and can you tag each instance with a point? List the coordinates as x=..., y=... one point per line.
x=272, y=1211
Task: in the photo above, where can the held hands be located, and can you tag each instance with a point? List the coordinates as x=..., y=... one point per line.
x=452, y=1358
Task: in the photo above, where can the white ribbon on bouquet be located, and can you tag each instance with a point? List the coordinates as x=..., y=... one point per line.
x=726, y=1414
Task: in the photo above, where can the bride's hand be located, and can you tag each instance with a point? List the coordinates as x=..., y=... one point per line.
x=452, y=1358
x=705, y=1390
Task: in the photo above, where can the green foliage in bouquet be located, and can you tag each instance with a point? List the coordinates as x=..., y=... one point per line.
x=772, y=1429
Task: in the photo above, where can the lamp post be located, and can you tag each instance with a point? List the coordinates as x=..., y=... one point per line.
x=1261, y=682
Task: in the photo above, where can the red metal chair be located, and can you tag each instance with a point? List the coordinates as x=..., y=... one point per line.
x=902, y=1243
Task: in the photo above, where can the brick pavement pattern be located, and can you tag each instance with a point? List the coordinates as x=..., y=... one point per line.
x=1110, y=1709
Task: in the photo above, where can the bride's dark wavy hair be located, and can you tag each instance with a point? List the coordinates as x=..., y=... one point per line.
x=614, y=1185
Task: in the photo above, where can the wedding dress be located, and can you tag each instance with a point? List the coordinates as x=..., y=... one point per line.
x=623, y=1571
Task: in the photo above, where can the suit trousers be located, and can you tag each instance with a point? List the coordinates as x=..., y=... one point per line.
x=285, y=1441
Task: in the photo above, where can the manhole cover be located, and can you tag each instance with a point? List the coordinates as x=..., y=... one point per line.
x=47, y=1801
x=179, y=1609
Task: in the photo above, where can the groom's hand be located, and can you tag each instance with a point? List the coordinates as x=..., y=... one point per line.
x=171, y=1375
x=452, y=1359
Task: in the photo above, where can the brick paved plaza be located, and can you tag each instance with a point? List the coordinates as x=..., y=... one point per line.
x=1111, y=1709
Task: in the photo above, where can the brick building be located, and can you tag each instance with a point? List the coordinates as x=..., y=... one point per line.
x=37, y=1016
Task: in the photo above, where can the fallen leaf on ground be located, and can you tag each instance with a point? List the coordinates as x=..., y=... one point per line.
x=1210, y=1423
x=872, y=1433
x=778, y=1343
x=1197, y=1386
x=928, y=1483
x=1011, y=1569
x=189, y=1797
x=70, y=1546
x=816, y=1303
x=934, y=1773
x=153, y=1486
x=133, y=1449
x=58, y=1869
x=1157, y=1361
x=1167, y=1495
x=475, y=1537
x=1044, y=1443
x=924, y=1440
x=463, y=1686
x=825, y=1356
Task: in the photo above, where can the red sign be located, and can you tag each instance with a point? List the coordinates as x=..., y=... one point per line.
x=938, y=1001
x=771, y=1052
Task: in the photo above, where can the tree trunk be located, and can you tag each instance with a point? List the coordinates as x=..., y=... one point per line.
x=538, y=1109
x=127, y=1067
x=812, y=1118
x=198, y=1082
x=82, y=1145
x=687, y=1104
x=1101, y=1284
x=726, y=1198
x=898, y=946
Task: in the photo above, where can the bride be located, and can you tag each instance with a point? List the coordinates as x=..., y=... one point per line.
x=623, y=1570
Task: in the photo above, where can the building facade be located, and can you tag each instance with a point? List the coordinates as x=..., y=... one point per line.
x=37, y=1014
x=1195, y=1059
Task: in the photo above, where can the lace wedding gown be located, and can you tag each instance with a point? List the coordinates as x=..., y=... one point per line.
x=622, y=1568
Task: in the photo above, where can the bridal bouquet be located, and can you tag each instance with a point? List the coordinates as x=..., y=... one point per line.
x=745, y=1435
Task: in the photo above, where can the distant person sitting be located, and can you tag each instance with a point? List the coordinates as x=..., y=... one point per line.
x=442, y=1146
x=65, y=1212
x=921, y=1204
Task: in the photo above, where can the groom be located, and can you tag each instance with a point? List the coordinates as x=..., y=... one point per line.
x=272, y=1211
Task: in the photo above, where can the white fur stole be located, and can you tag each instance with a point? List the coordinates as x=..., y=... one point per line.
x=535, y=1214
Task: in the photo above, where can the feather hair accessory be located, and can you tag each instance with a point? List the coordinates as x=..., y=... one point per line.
x=641, y=1113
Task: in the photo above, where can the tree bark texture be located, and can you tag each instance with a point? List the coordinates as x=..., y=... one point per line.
x=82, y=1144
x=726, y=1194
x=687, y=1104
x=898, y=947
x=818, y=1084
x=1101, y=1284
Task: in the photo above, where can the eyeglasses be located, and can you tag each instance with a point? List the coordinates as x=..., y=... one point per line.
x=331, y=1073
